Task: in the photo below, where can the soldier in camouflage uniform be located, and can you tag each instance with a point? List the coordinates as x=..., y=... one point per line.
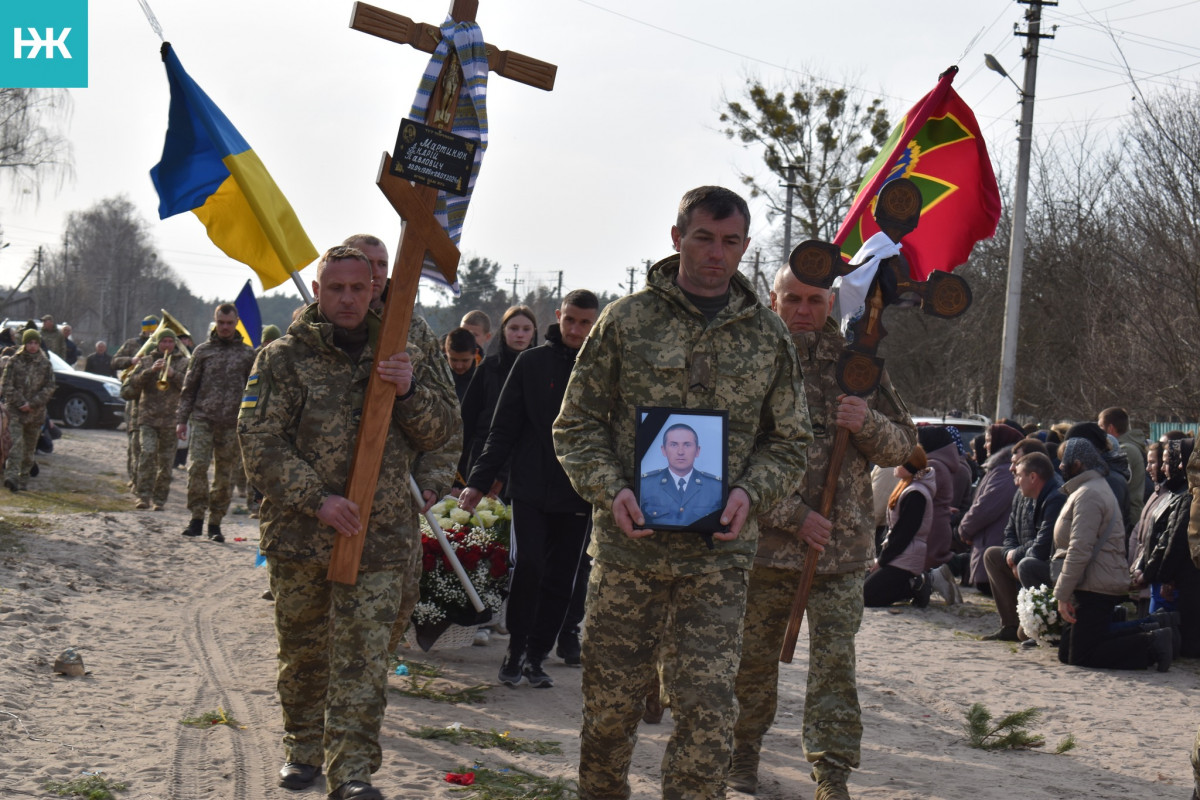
x=881, y=432
x=1193, y=475
x=695, y=337
x=212, y=393
x=297, y=427
x=122, y=360
x=53, y=340
x=433, y=471
x=25, y=387
x=156, y=418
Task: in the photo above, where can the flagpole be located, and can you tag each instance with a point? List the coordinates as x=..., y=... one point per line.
x=304, y=293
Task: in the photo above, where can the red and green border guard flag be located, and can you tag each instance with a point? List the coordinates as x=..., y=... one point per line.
x=938, y=147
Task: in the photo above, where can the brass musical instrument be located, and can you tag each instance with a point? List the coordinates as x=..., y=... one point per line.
x=164, y=380
x=168, y=322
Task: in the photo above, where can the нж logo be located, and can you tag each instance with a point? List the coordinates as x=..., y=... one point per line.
x=50, y=44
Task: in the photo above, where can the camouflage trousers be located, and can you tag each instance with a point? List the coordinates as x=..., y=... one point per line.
x=156, y=456
x=216, y=445
x=698, y=620
x=24, y=445
x=832, y=717
x=134, y=443
x=333, y=664
x=408, y=601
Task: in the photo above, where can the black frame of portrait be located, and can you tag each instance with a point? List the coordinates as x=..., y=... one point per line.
x=651, y=422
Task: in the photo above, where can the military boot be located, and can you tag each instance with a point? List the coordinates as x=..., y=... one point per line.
x=743, y=773
x=831, y=786
x=214, y=532
x=194, y=528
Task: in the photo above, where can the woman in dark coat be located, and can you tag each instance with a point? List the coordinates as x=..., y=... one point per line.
x=983, y=524
x=518, y=332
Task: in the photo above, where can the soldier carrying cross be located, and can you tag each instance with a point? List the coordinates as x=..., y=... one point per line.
x=339, y=527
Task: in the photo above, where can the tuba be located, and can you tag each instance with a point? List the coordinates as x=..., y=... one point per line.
x=168, y=322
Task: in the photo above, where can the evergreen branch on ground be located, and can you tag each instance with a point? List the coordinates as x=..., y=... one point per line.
x=89, y=787
x=1008, y=734
x=456, y=734
x=514, y=784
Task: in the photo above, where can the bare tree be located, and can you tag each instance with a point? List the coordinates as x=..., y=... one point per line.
x=31, y=146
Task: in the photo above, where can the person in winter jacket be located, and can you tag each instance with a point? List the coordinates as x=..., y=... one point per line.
x=899, y=573
x=550, y=521
x=1092, y=576
x=518, y=332
x=983, y=524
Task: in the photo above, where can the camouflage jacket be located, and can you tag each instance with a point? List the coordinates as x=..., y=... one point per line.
x=298, y=424
x=28, y=378
x=434, y=470
x=1193, y=479
x=123, y=358
x=53, y=340
x=654, y=348
x=887, y=439
x=212, y=388
x=156, y=407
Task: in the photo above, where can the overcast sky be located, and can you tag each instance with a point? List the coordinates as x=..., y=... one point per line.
x=584, y=179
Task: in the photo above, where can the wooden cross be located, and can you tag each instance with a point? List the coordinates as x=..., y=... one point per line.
x=859, y=369
x=421, y=234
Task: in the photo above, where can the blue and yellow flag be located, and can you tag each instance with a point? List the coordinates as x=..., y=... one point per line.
x=249, y=319
x=209, y=169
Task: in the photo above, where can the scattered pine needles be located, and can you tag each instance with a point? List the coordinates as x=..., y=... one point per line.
x=91, y=787
x=515, y=784
x=457, y=734
x=210, y=718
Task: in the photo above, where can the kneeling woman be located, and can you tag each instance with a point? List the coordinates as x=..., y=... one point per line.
x=899, y=571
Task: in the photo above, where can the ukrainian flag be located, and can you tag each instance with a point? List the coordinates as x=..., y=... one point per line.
x=249, y=319
x=209, y=169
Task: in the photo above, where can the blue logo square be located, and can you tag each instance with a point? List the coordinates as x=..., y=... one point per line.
x=44, y=44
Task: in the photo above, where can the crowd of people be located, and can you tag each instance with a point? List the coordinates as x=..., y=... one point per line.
x=691, y=616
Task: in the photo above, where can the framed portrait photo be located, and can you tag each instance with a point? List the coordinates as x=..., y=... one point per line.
x=682, y=458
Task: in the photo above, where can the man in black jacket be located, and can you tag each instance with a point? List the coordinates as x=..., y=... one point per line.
x=550, y=521
x=1023, y=560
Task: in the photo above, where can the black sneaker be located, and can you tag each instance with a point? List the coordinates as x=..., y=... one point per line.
x=537, y=676
x=214, y=533
x=11, y=485
x=512, y=671
x=194, y=528
x=922, y=588
x=568, y=649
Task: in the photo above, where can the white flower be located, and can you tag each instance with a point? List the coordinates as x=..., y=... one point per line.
x=445, y=522
x=487, y=518
x=440, y=508
x=460, y=516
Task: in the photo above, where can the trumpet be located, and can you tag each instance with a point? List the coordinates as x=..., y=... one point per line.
x=164, y=381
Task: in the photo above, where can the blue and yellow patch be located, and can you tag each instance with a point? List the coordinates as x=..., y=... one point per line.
x=249, y=401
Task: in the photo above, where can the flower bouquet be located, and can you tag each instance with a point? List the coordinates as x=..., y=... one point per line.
x=481, y=543
x=1037, y=610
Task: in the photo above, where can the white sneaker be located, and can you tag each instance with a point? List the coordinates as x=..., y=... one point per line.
x=945, y=585
x=482, y=637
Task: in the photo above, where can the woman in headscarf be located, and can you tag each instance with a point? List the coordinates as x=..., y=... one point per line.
x=899, y=573
x=983, y=524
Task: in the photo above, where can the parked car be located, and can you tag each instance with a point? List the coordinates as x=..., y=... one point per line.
x=969, y=426
x=84, y=400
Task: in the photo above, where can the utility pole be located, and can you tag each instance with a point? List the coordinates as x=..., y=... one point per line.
x=1016, y=253
x=787, y=217
x=631, y=271
x=560, y=295
x=514, y=283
